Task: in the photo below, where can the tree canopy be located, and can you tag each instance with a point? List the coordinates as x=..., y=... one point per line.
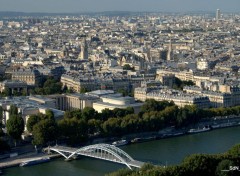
x=32, y=120
x=44, y=131
x=154, y=116
x=15, y=126
x=153, y=105
x=13, y=110
x=49, y=86
x=74, y=129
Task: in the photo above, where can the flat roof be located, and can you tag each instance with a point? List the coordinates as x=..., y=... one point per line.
x=100, y=92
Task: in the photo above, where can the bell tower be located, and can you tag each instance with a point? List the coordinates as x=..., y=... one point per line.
x=84, y=51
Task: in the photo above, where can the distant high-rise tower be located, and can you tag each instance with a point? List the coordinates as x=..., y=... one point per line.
x=218, y=15
x=84, y=51
x=170, y=52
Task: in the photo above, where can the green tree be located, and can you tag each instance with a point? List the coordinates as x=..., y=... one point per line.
x=94, y=126
x=49, y=114
x=67, y=115
x=129, y=110
x=234, y=151
x=13, y=110
x=169, y=115
x=7, y=92
x=89, y=113
x=32, y=120
x=112, y=127
x=49, y=86
x=146, y=167
x=73, y=113
x=15, y=127
x=118, y=112
x=182, y=117
x=200, y=165
x=106, y=114
x=193, y=165
x=77, y=113
x=44, y=131
x=129, y=124
x=224, y=165
x=122, y=172
x=124, y=92
x=74, y=130
x=153, y=105
x=152, y=121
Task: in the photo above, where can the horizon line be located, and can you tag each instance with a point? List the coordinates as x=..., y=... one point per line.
x=117, y=11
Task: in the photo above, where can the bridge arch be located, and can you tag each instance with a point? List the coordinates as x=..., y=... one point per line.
x=107, y=146
x=58, y=151
x=118, y=150
x=100, y=151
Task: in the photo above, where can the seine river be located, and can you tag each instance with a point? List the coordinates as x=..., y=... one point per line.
x=164, y=152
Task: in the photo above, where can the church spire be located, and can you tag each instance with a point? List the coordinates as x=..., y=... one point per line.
x=170, y=52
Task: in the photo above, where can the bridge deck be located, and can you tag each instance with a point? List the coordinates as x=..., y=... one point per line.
x=64, y=149
x=71, y=150
x=136, y=163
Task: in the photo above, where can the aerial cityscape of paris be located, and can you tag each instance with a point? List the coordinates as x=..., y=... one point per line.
x=120, y=88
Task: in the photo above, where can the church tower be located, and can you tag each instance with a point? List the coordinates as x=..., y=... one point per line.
x=84, y=51
x=65, y=51
x=170, y=52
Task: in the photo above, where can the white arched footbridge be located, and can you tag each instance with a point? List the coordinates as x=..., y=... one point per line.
x=99, y=151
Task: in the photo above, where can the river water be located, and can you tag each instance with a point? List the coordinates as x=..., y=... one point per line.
x=164, y=152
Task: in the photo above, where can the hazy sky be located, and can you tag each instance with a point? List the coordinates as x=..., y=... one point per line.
x=120, y=5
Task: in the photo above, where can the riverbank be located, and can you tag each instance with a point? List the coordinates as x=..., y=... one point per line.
x=170, y=132
x=13, y=162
